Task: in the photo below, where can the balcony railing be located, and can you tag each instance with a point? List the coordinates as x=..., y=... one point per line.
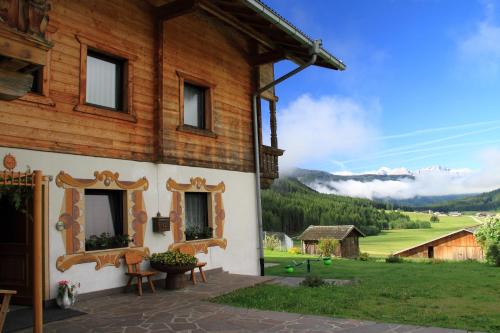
x=269, y=169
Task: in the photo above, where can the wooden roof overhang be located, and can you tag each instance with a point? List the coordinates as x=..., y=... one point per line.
x=253, y=18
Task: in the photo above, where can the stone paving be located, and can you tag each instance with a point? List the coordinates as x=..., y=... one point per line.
x=189, y=311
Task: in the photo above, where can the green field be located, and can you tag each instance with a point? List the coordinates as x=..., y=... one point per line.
x=463, y=295
x=390, y=241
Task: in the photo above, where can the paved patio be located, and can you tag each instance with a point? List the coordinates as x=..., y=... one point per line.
x=188, y=311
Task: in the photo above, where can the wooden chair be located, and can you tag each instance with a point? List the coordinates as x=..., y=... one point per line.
x=7, y=294
x=133, y=262
x=199, y=264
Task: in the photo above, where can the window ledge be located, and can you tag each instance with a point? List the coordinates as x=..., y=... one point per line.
x=102, y=258
x=89, y=109
x=199, y=245
x=196, y=131
x=37, y=99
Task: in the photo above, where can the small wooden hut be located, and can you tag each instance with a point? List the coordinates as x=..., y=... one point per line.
x=347, y=235
x=458, y=245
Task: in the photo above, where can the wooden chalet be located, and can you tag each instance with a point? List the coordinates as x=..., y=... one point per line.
x=142, y=121
x=347, y=235
x=458, y=245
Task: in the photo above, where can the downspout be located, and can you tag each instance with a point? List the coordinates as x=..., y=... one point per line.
x=315, y=49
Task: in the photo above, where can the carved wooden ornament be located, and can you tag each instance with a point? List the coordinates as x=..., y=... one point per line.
x=9, y=162
x=177, y=215
x=73, y=219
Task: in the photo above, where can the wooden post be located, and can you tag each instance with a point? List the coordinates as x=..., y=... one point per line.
x=37, y=254
x=273, y=124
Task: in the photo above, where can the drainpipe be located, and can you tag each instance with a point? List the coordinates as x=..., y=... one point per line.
x=315, y=49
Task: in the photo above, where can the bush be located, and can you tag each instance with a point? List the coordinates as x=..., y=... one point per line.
x=404, y=224
x=294, y=250
x=363, y=256
x=392, y=259
x=271, y=242
x=434, y=219
x=328, y=246
x=488, y=235
x=173, y=258
x=313, y=281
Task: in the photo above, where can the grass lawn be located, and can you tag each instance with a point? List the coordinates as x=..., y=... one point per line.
x=463, y=295
x=390, y=241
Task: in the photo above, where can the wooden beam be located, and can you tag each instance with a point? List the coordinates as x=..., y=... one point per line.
x=37, y=254
x=14, y=84
x=268, y=57
x=175, y=9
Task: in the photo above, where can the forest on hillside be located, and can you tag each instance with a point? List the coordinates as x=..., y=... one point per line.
x=290, y=206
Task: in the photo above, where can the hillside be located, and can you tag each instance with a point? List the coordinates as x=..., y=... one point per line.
x=290, y=206
x=483, y=202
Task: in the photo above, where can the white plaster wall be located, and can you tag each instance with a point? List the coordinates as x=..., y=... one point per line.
x=240, y=227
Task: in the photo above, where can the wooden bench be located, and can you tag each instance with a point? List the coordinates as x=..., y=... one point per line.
x=6, y=294
x=133, y=266
x=199, y=264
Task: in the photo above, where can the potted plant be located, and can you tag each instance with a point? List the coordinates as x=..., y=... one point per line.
x=106, y=241
x=175, y=264
x=66, y=293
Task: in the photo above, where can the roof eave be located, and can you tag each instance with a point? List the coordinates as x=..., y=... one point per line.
x=295, y=33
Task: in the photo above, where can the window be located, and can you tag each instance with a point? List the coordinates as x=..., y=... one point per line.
x=196, y=214
x=104, y=81
x=194, y=105
x=37, y=85
x=104, y=219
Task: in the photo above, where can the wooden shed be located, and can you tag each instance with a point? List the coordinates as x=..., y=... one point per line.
x=347, y=235
x=458, y=245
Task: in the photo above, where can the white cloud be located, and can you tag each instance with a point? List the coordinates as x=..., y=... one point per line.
x=427, y=182
x=480, y=50
x=313, y=129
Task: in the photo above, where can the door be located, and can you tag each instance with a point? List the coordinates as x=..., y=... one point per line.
x=16, y=246
x=430, y=252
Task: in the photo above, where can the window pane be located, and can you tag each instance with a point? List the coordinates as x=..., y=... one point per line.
x=194, y=108
x=197, y=216
x=101, y=82
x=103, y=212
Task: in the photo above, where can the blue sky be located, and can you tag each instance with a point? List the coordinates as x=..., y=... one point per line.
x=422, y=85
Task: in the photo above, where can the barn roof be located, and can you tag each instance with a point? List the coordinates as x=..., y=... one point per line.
x=471, y=230
x=339, y=232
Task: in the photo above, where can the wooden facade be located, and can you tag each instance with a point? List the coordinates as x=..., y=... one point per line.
x=459, y=245
x=347, y=235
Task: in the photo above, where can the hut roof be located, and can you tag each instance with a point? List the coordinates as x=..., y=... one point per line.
x=339, y=232
x=471, y=230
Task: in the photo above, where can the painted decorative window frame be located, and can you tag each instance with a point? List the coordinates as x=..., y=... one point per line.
x=71, y=222
x=177, y=215
x=128, y=112
x=208, y=107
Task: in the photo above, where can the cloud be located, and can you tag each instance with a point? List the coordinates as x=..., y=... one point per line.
x=480, y=50
x=432, y=181
x=313, y=129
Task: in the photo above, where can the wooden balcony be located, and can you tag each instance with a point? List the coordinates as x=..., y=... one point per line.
x=269, y=169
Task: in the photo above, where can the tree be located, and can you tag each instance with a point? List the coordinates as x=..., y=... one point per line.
x=488, y=235
x=434, y=218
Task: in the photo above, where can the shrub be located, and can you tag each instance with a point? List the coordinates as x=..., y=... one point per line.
x=271, y=242
x=404, y=224
x=294, y=250
x=392, y=259
x=173, y=258
x=313, y=281
x=434, y=219
x=488, y=235
x=363, y=256
x=328, y=246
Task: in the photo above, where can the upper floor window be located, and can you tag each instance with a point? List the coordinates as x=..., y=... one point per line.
x=194, y=105
x=105, y=81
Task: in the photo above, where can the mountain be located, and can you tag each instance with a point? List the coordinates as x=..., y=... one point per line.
x=483, y=202
x=290, y=206
x=422, y=201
